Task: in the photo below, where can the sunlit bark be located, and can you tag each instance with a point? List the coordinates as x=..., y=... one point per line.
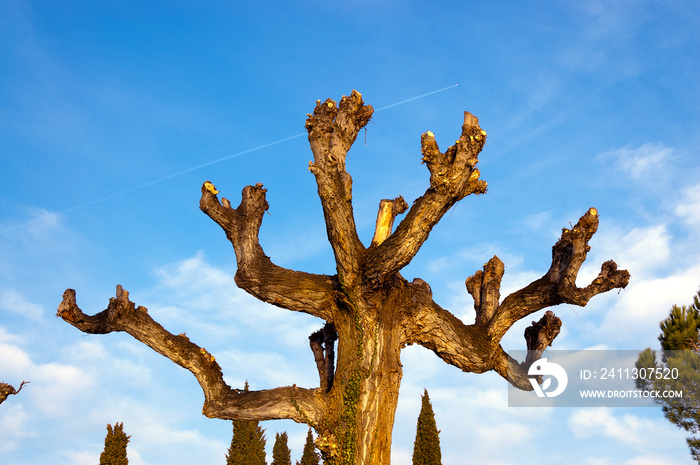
x=370, y=310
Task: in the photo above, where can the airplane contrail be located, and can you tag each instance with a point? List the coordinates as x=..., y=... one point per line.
x=219, y=160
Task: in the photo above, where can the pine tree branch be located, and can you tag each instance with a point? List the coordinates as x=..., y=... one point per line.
x=300, y=405
x=256, y=274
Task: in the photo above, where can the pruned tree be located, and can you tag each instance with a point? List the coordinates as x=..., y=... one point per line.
x=7, y=390
x=373, y=310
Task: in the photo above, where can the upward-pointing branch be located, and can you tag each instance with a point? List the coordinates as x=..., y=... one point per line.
x=453, y=176
x=256, y=274
x=332, y=130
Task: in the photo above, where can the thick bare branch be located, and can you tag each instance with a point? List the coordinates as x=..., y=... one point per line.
x=7, y=390
x=466, y=347
x=453, y=176
x=220, y=401
x=538, y=336
x=476, y=347
x=256, y=274
x=559, y=284
x=332, y=130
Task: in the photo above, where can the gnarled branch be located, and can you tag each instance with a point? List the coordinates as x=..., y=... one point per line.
x=7, y=390
x=332, y=130
x=220, y=400
x=453, y=176
x=466, y=347
x=558, y=285
x=476, y=348
x=256, y=274
x=538, y=336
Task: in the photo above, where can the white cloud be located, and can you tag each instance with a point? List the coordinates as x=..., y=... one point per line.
x=266, y=370
x=56, y=387
x=631, y=319
x=644, y=434
x=517, y=434
x=645, y=460
x=41, y=223
x=13, y=426
x=600, y=421
x=642, y=251
x=14, y=362
x=83, y=457
x=53, y=387
x=647, y=163
x=688, y=207
x=204, y=302
x=93, y=356
x=13, y=301
x=597, y=461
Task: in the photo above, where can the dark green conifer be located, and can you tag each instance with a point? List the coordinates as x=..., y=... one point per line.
x=247, y=443
x=426, y=448
x=679, y=370
x=309, y=456
x=281, y=455
x=116, y=440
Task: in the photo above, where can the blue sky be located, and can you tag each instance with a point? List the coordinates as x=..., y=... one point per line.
x=111, y=114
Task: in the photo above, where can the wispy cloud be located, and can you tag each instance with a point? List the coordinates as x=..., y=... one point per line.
x=601, y=422
x=647, y=163
x=688, y=207
x=13, y=301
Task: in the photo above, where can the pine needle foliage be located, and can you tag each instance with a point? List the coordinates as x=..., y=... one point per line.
x=680, y=344
x=309, y=456
x=426, y=448
x=281, y=455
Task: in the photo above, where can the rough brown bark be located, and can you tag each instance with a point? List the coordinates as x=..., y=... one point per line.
x=7, y=390
x=370, y=309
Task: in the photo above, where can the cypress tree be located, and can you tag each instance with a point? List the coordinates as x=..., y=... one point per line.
x=309, y=456
x=426, y=448
x=281, y=455
x=115, y=446
x=247, y=443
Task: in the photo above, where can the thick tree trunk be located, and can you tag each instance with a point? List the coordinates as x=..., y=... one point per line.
x=369, y=309
x=362, y=404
